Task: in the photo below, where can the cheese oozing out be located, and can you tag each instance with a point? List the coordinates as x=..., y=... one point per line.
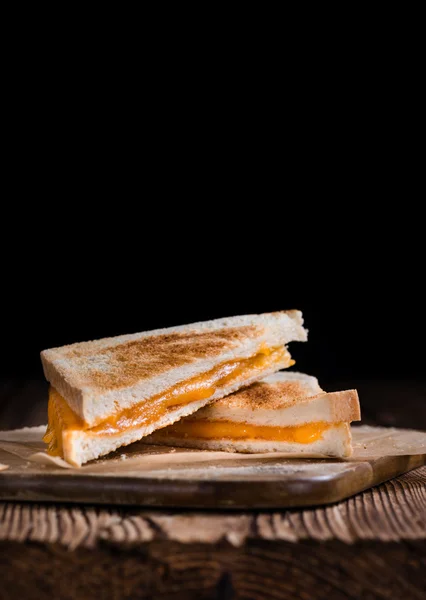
x=219, y=430
x=62, y=418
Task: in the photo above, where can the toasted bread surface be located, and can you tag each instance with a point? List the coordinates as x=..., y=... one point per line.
x=102, y=377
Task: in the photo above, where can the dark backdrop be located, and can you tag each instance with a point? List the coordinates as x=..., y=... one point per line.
x=358, y=286
x=117, y=249
x=292, y=186
x=104, y=232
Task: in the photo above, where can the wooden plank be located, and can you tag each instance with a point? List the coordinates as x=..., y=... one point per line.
x=165, y=477
x=259, y=570
x=391, y=512
x=186, y=493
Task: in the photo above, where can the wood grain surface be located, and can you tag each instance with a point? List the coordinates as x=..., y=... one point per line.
x=392, y=511
x=257, y=571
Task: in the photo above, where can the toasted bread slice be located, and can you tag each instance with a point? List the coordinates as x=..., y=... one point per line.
x=112, y=392
x=101, y=378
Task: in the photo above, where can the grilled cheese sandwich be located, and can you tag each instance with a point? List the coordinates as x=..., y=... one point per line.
x=102, y=395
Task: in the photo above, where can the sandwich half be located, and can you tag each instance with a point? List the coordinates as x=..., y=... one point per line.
x=112, y=392
x=285, y=412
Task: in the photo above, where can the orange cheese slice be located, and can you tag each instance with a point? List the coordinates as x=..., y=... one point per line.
x=218, y=430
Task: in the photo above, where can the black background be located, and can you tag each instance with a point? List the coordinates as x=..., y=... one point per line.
x=354, y=276
x=198, y=215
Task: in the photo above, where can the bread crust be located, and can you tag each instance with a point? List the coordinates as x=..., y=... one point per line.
x=344, y=406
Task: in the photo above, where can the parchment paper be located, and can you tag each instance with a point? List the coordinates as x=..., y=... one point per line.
x=23, y=450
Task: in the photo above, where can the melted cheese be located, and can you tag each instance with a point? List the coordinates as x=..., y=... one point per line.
x=217, y=430
x=62, y=418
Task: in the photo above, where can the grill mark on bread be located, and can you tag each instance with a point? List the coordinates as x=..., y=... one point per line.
x=123, y=365
x=266, y=396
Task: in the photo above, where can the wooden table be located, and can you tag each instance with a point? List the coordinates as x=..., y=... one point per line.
x=371, y=546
